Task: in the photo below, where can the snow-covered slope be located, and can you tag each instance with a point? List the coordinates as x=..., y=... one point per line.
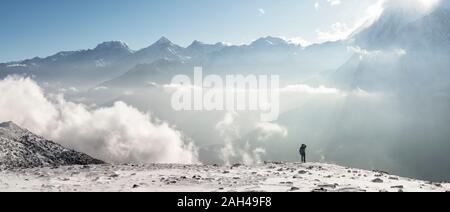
x=274, y=177
x=20, y=148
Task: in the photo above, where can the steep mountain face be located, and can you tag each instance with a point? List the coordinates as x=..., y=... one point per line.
x=405, y=50
x=20, y=148
x=433, y=31
x=409, y=28
x=388, y=30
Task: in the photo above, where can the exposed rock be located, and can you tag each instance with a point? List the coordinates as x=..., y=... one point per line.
x=377, y=180
x=294, y=189
x=19, y=148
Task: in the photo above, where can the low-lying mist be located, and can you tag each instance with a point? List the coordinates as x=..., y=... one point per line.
x=119, y=133
x=405, y=133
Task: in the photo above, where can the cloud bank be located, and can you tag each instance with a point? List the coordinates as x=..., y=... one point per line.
x=119, y=133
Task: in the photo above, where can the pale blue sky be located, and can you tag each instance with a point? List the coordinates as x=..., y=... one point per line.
x=43, y=27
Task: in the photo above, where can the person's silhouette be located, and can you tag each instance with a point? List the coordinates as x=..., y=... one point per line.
x=303, y=153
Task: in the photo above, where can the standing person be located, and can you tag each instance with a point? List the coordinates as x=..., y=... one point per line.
x=303, y=153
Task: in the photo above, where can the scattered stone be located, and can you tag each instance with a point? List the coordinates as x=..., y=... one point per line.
x=381, y=172
x=277, y=163
x=350, y=189
x=319, y=190
x=226, y=172
x=294, y=189
x=399, y=187
x=393, y=178
x=333, y=186
x=135, y=186
x=377, y=180
x=114, y=175
x=287, y=183
x=236, y=165
x=302, y=172
x=438, y=185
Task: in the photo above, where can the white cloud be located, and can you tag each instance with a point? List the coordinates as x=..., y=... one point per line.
x=252, y=157
x=337, y=31
x=366, y=54
x=262, y=11
x=342, y=30
x=119, y=133
x=423, y=4
x=229, y=130
x=100, y=88
x=317, y=5
x=268, y=130
x=334, y=2
x=306, y=89
x=299, y=41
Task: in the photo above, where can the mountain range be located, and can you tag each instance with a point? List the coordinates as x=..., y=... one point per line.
x=109, y=60
x=114, y=64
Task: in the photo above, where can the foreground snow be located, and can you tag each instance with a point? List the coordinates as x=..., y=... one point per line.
x=275, y=177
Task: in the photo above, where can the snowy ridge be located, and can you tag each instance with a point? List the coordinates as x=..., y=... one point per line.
x=20, y=148
x=270, y=177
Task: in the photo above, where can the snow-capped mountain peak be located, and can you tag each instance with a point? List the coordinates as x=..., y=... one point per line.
x=112, y=45
x=269, y=41
x=163, y=41
x=196, y=44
